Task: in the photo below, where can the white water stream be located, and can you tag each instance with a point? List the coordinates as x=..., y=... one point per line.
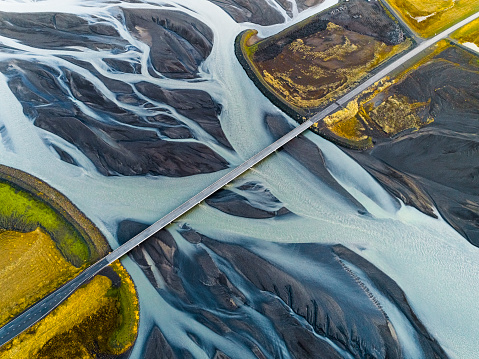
x=434, y=265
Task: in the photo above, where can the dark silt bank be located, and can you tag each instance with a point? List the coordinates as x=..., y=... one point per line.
x=437, y=164
x=322, y=302
x=131, y=128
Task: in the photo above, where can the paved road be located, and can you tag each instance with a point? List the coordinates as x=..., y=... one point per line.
x=46, y=305
x=185, y=207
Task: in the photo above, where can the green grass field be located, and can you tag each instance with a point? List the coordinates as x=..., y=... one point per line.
x=20, y=211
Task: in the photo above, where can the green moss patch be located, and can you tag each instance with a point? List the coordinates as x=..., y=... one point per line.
x=21, y=211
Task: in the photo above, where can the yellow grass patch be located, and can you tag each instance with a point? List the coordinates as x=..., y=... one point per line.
x=350, y=129
x=346, y=113
x=31, y=266
x=344, y=123
x=397, y=114
x=428, y=17
x=468, y=33
x=374, y=111
x=124, y=336
x=89, y=321
x=83, y=303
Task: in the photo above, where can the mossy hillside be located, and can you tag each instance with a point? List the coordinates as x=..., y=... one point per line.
x=374, y=115
x=45, y=241
x=313, y=71
x=38, y=189
x=127, y=303
x=312, y=63
x=380, y=113
x=345, y=128
x=245, y=48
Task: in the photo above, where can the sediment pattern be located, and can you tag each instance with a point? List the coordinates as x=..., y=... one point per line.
x=279, y=308
x=125, y=125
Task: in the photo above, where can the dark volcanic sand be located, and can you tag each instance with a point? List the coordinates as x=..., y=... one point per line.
x=366, y=18
x=57, y=30
x=315, y=297
x=178, y=42
x=437, y=165
x=310, y=64
x=255, y=11
x=259, y=11
x=259, y=203
x=119, y=141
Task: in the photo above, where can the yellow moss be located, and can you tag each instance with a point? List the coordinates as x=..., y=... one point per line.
x=381, y=86
x=344, y=123
x=315, y=72
x=346, y=113
x=428, y=17
x=31, y=266
x=124, y=337
x=350, y=129
x=35, y=202
x=276, y=83
x=335, y=52
x=392, y=115
x=396, y=114
x=248, y=43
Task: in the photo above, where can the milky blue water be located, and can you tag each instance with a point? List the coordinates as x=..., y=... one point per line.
x=434, y=265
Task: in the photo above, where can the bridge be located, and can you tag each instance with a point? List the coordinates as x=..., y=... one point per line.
x=39, y=310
